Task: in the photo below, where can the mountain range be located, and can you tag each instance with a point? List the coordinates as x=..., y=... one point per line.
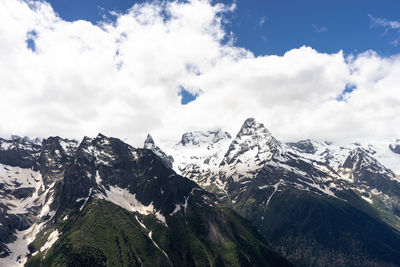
x=102, y=202
x=207, y=199
x=317, y=203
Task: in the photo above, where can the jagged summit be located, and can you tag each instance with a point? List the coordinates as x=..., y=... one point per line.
x=27, y=139
x=251, y=127
x=149, y=142
x=252, y=146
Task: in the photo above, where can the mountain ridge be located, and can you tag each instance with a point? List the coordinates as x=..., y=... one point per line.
x=256, y=171
x=103, y=185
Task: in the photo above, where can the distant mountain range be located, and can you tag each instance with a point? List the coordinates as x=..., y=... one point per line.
x=208, y=199
x=317, y=203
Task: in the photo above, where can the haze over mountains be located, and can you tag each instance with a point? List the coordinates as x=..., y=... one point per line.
x=210, y=198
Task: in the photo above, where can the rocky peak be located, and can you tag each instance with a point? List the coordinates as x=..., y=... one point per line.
x=249, y=151
x=92, y=145
x=252, y=127
x=26, y=139
x=63, y=146
x=358, y=158
x=361, y=163
x=366, y=171
x=55, y=155
x=149, y=142
x=253, y=139
x=18, y=153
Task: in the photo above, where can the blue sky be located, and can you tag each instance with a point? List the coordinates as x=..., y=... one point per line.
x=274, y=27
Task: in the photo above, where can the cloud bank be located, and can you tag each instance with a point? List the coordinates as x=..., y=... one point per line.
x=123, y=78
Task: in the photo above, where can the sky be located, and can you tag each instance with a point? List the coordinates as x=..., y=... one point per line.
x=326, y=70
x=274, y=27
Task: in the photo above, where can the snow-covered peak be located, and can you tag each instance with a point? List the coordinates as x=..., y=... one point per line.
x=251, y=127
x=254, y=144
x=326, y=152
x=198, y=138
x=198, y=152
x=357, y=158
x=362, y=159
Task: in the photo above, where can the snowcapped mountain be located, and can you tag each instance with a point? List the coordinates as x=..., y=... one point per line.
x=254, y=172
x=207, y=160
x=199, y=152
x=253, y=146
x=102, y=202
x=77, y=203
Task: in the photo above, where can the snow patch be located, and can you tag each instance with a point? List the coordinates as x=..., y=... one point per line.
x=141, y=224
x=369, y=200
x=53, y=237
x=98, y=178
x=86, y=199
x=128, y=201
x=19, y=248
x=155, y=244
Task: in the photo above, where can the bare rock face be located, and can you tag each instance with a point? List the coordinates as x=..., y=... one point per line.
x=149, y=144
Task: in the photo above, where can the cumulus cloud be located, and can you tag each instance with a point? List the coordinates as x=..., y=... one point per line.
x=123, y=78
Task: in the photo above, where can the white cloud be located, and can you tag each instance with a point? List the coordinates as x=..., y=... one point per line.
x=123, y=78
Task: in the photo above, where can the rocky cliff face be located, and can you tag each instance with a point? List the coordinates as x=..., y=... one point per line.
x=149, y=144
